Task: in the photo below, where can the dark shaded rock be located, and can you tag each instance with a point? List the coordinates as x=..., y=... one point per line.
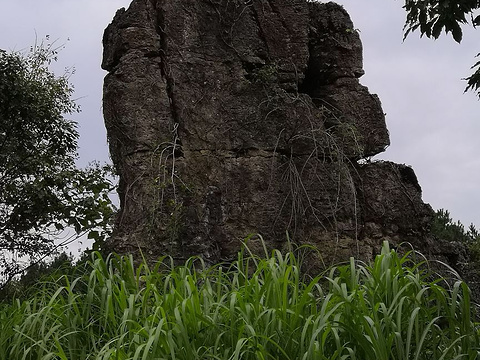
x=334, y=66
x=391, y=199
x=227, y=118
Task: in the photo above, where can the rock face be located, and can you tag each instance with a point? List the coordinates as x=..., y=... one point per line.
x=229, y=117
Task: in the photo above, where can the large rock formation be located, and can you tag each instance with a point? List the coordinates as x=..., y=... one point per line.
x=231, y=117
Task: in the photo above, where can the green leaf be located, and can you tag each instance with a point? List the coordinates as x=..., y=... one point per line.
x=457, y=32
x=476, y=21
x=437, y=29
x=93, y=235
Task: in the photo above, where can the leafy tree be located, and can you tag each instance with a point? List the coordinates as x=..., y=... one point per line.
x=444, y=227
x=431, y=17
x=42, y=192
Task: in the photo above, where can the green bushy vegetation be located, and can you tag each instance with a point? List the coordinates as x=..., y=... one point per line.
x=253, y=308
x=23, y=286
x=445, y=228
x=43, y=194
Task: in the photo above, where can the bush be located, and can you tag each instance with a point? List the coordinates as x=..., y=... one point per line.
x=23, y=286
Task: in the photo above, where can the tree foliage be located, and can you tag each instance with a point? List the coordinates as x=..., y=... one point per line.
x=445, y=228
x=43, y=270
x=431, y=17
x=42, y=192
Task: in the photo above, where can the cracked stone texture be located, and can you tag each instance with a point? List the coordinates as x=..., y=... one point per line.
x=230, y=118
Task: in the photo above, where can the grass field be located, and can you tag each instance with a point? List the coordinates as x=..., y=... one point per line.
x=254, y=308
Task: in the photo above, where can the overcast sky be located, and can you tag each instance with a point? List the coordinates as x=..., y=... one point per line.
x=433, y=126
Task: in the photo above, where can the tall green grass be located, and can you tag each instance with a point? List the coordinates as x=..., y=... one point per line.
x=255, y=308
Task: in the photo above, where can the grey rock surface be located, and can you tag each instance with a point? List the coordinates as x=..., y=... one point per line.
x=230, y=118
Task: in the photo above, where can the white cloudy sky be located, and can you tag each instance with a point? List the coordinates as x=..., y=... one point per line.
x=434, y=127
